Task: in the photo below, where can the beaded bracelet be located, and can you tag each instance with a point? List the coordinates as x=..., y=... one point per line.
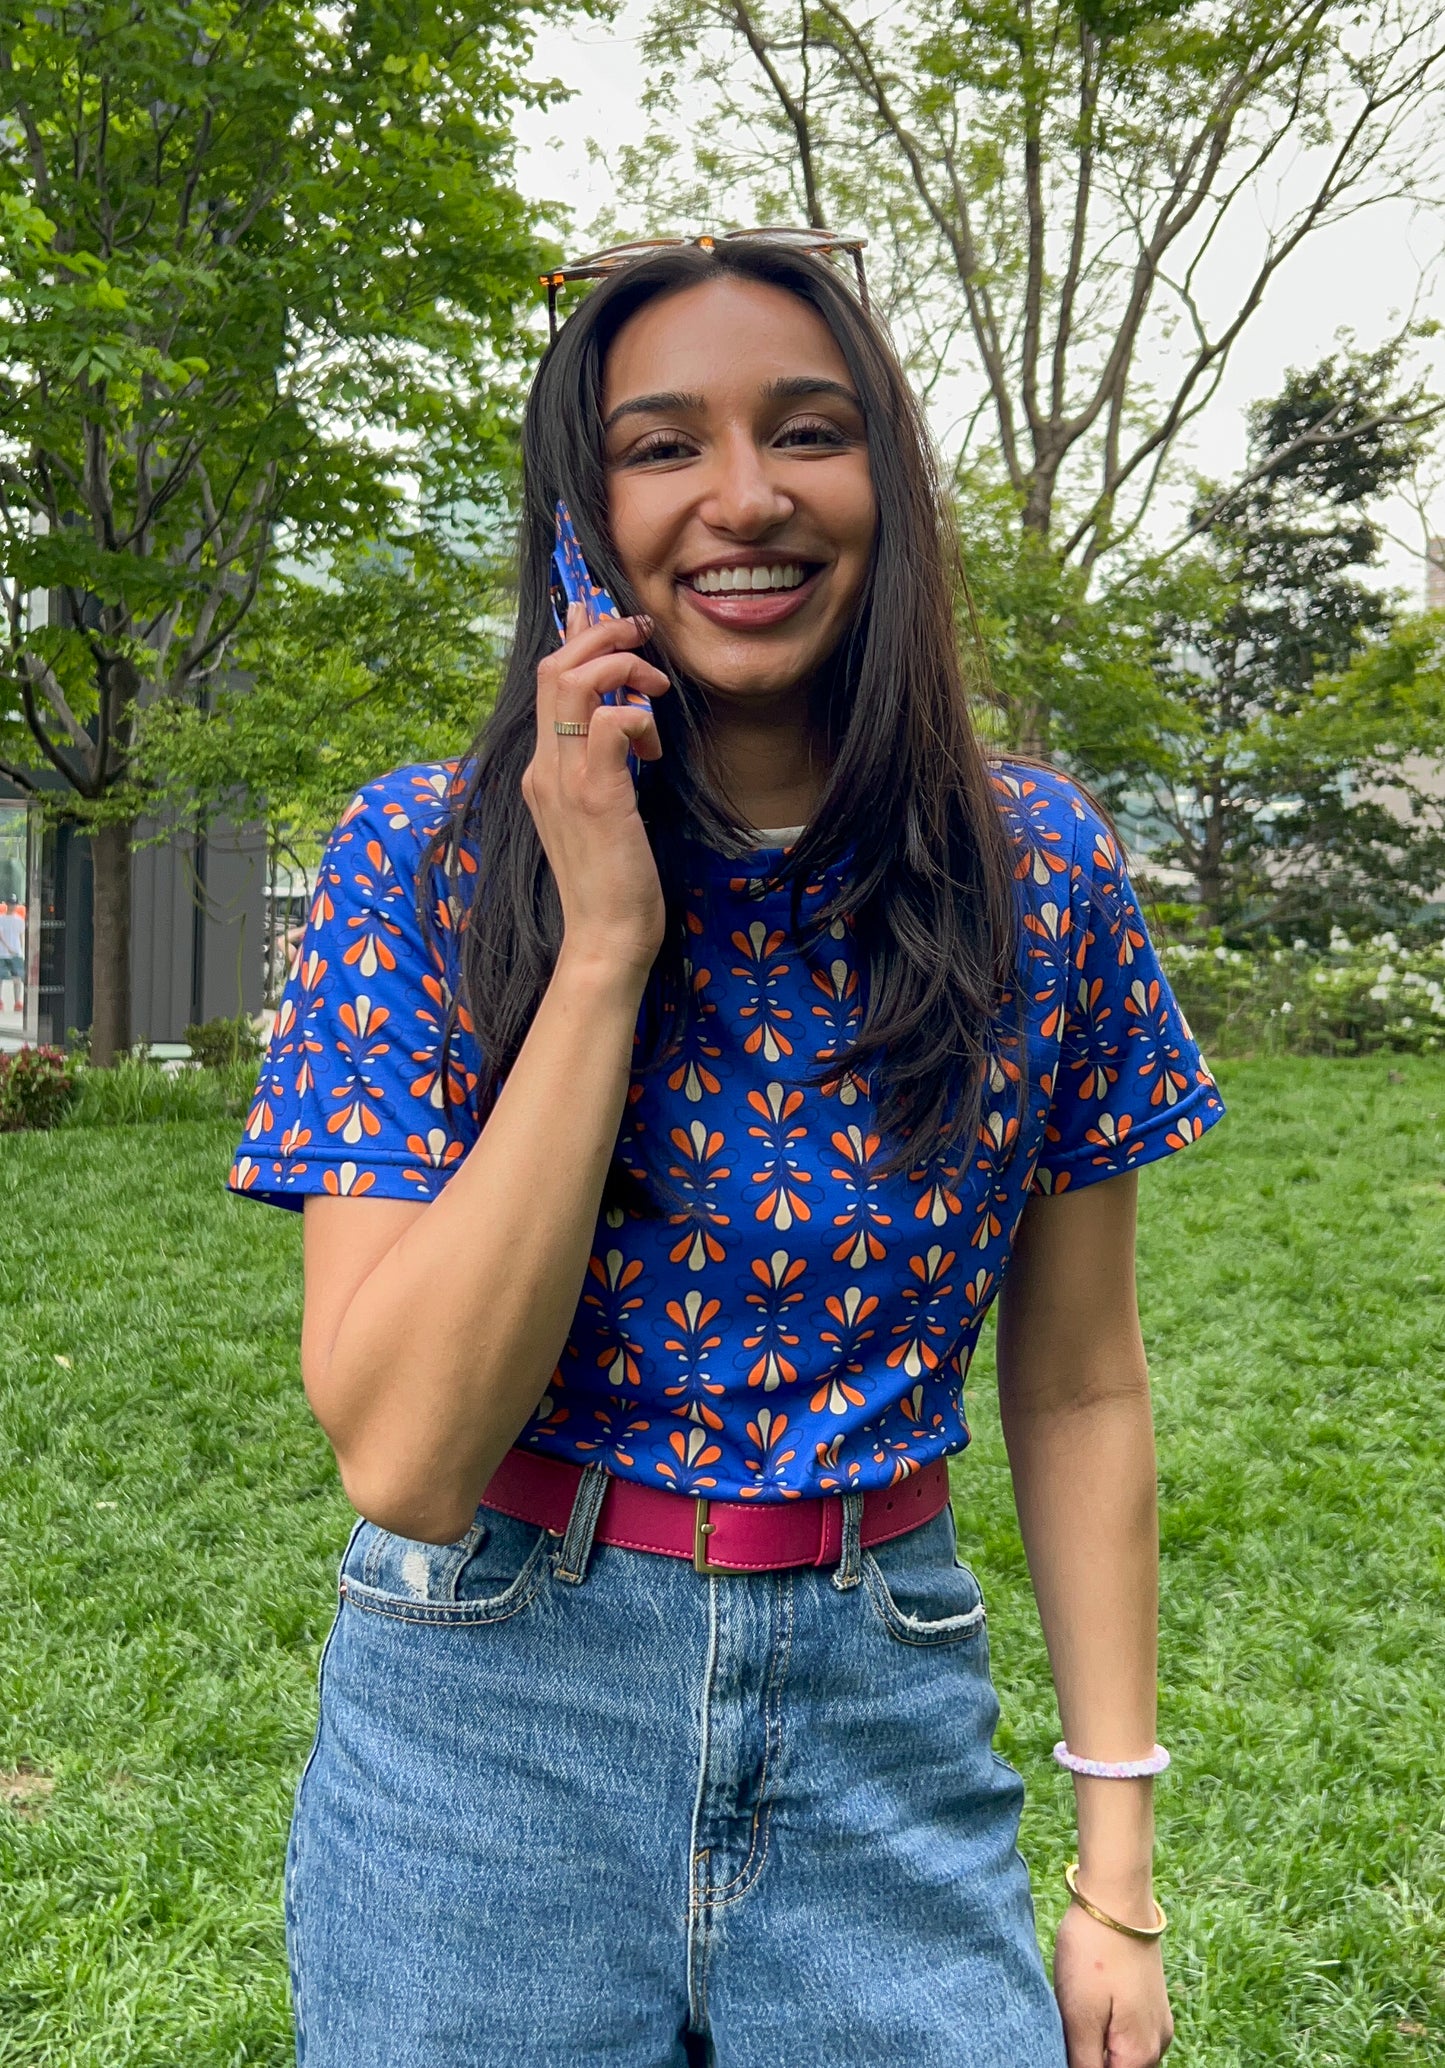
x=1112, y=1769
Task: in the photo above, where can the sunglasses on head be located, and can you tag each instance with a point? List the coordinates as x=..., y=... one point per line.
x=820, y=243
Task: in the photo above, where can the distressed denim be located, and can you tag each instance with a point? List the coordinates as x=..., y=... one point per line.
x=571, y=1804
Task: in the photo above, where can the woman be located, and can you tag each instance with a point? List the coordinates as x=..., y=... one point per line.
x=663, y=1143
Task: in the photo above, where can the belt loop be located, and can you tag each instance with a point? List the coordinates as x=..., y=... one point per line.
x=576, y=1546
x=850, y=1564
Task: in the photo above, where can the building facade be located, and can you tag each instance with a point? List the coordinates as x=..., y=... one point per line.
x=198, y=914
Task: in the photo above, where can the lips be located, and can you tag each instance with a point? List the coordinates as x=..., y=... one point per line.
x=752, y=596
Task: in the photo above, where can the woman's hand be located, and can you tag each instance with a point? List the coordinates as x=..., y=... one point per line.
x=1111, y=1995
x=581, y=794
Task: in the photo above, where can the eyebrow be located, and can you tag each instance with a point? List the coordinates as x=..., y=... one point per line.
x=672, y=402
x=668, y=402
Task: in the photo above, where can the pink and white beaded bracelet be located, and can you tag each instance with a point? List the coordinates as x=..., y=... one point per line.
x=1112, y=1769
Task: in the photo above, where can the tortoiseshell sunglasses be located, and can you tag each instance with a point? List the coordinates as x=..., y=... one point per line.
x=823, y=243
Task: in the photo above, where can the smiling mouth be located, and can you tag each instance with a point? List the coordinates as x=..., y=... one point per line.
x=748, y=581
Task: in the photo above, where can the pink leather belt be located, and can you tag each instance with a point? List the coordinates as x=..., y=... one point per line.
x=718, y=1536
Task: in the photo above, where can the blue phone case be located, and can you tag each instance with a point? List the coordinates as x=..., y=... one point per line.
x=573, y=579
x=572, y=583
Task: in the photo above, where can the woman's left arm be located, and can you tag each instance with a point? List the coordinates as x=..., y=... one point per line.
x=1074, y=1394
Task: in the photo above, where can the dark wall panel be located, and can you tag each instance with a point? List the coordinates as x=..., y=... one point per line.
x=233, y=918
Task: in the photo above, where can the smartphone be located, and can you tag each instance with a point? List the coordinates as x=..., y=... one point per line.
x=572, y=579
x=572, y=583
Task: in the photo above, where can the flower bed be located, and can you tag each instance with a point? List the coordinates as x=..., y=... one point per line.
x=1352, y=999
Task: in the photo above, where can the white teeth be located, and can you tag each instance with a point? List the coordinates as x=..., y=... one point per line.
x=731, y=581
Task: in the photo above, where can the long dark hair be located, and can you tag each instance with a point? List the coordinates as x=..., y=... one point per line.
x=908, y=811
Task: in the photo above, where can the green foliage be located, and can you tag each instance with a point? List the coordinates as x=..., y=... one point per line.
x=135, y=1092
x=394, y=659
x=265, y=279
x=1289, y=705
x=1354, y=999
x=1059, y=661
x=174, y=1522
x=1042, y=183
x=256, y=263
x=36, y=1087
x=215, y=1044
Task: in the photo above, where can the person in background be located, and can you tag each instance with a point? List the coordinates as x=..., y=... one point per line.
x=672, y=1085
x=12, y=957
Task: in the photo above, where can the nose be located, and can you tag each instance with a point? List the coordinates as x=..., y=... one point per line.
x=744, y=499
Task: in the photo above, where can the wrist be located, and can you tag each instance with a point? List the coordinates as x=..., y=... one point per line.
x=607, y=973
x=1124, y=1888
x=1116, y=1841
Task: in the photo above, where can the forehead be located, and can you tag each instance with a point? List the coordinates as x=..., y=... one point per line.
x=727, y=337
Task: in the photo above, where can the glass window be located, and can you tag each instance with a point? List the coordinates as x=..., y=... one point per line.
x=14, y=926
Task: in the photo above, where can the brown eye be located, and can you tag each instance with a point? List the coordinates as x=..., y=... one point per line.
x=812, y=431
x=661, y=446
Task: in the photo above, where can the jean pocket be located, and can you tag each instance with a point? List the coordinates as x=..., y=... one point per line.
x=496, y=1568
x=921, y=1591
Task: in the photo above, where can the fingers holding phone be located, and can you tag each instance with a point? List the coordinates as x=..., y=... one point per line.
x=599, y=671
x=581, y=795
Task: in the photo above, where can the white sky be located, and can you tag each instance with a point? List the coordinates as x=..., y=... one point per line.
x=1363, y=274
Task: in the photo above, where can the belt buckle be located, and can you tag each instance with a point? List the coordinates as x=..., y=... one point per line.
x=702, y=1529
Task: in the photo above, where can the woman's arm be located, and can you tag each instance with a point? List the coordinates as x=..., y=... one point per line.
x=1074, y=1394
x=431, y=1331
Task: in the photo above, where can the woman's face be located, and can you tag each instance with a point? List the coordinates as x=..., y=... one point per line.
x=739, y=492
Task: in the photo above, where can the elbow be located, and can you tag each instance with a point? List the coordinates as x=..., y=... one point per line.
x=429, y=1514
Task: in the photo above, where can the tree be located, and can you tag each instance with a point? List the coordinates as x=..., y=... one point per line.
x=1044, y=183
x=1297, y=718
x=263, y=276
x=392, y=658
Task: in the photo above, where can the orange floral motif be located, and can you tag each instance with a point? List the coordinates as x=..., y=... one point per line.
x=863, y=1215
x=923, y=1331
x=847, y=1311
x=762, y=970
x=765, y=1432
x=348, y=1180
x=771, y=1334
x=692, y=1453
x=781, y=1176
x=841, y=1013
x=698, y=1176
x=695, y=1338
x=618, y=1351
x=692, y=1073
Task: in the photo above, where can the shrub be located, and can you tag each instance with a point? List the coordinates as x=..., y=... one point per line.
x=36, y=1087
x=216, y=1043
x=1354, y=998
x=135, y=1092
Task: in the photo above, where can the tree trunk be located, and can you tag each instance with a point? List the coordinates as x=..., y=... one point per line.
x=1210, y=873
x=110, y=963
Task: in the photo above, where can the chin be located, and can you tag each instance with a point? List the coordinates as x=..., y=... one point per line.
x=735, y=671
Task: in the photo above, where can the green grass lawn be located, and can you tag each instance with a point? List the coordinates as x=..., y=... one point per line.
x=169, y=1525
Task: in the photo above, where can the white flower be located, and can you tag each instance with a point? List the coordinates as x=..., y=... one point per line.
x=1286, y=1006
x=1385, y=974
x=1379, y=992
x=1221, y=954
x=1303, y=947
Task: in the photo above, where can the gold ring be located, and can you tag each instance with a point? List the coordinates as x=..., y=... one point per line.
x=571, y=728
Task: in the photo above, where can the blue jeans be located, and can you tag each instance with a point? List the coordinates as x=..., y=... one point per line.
x=571, y=1805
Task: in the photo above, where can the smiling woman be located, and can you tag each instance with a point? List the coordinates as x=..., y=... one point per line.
x=664, y=1144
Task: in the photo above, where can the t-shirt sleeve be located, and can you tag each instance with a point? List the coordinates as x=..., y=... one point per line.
x=356, y=1095
x=1130, y=1084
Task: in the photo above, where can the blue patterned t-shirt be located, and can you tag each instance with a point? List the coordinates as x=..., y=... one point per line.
x=775, y=1318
